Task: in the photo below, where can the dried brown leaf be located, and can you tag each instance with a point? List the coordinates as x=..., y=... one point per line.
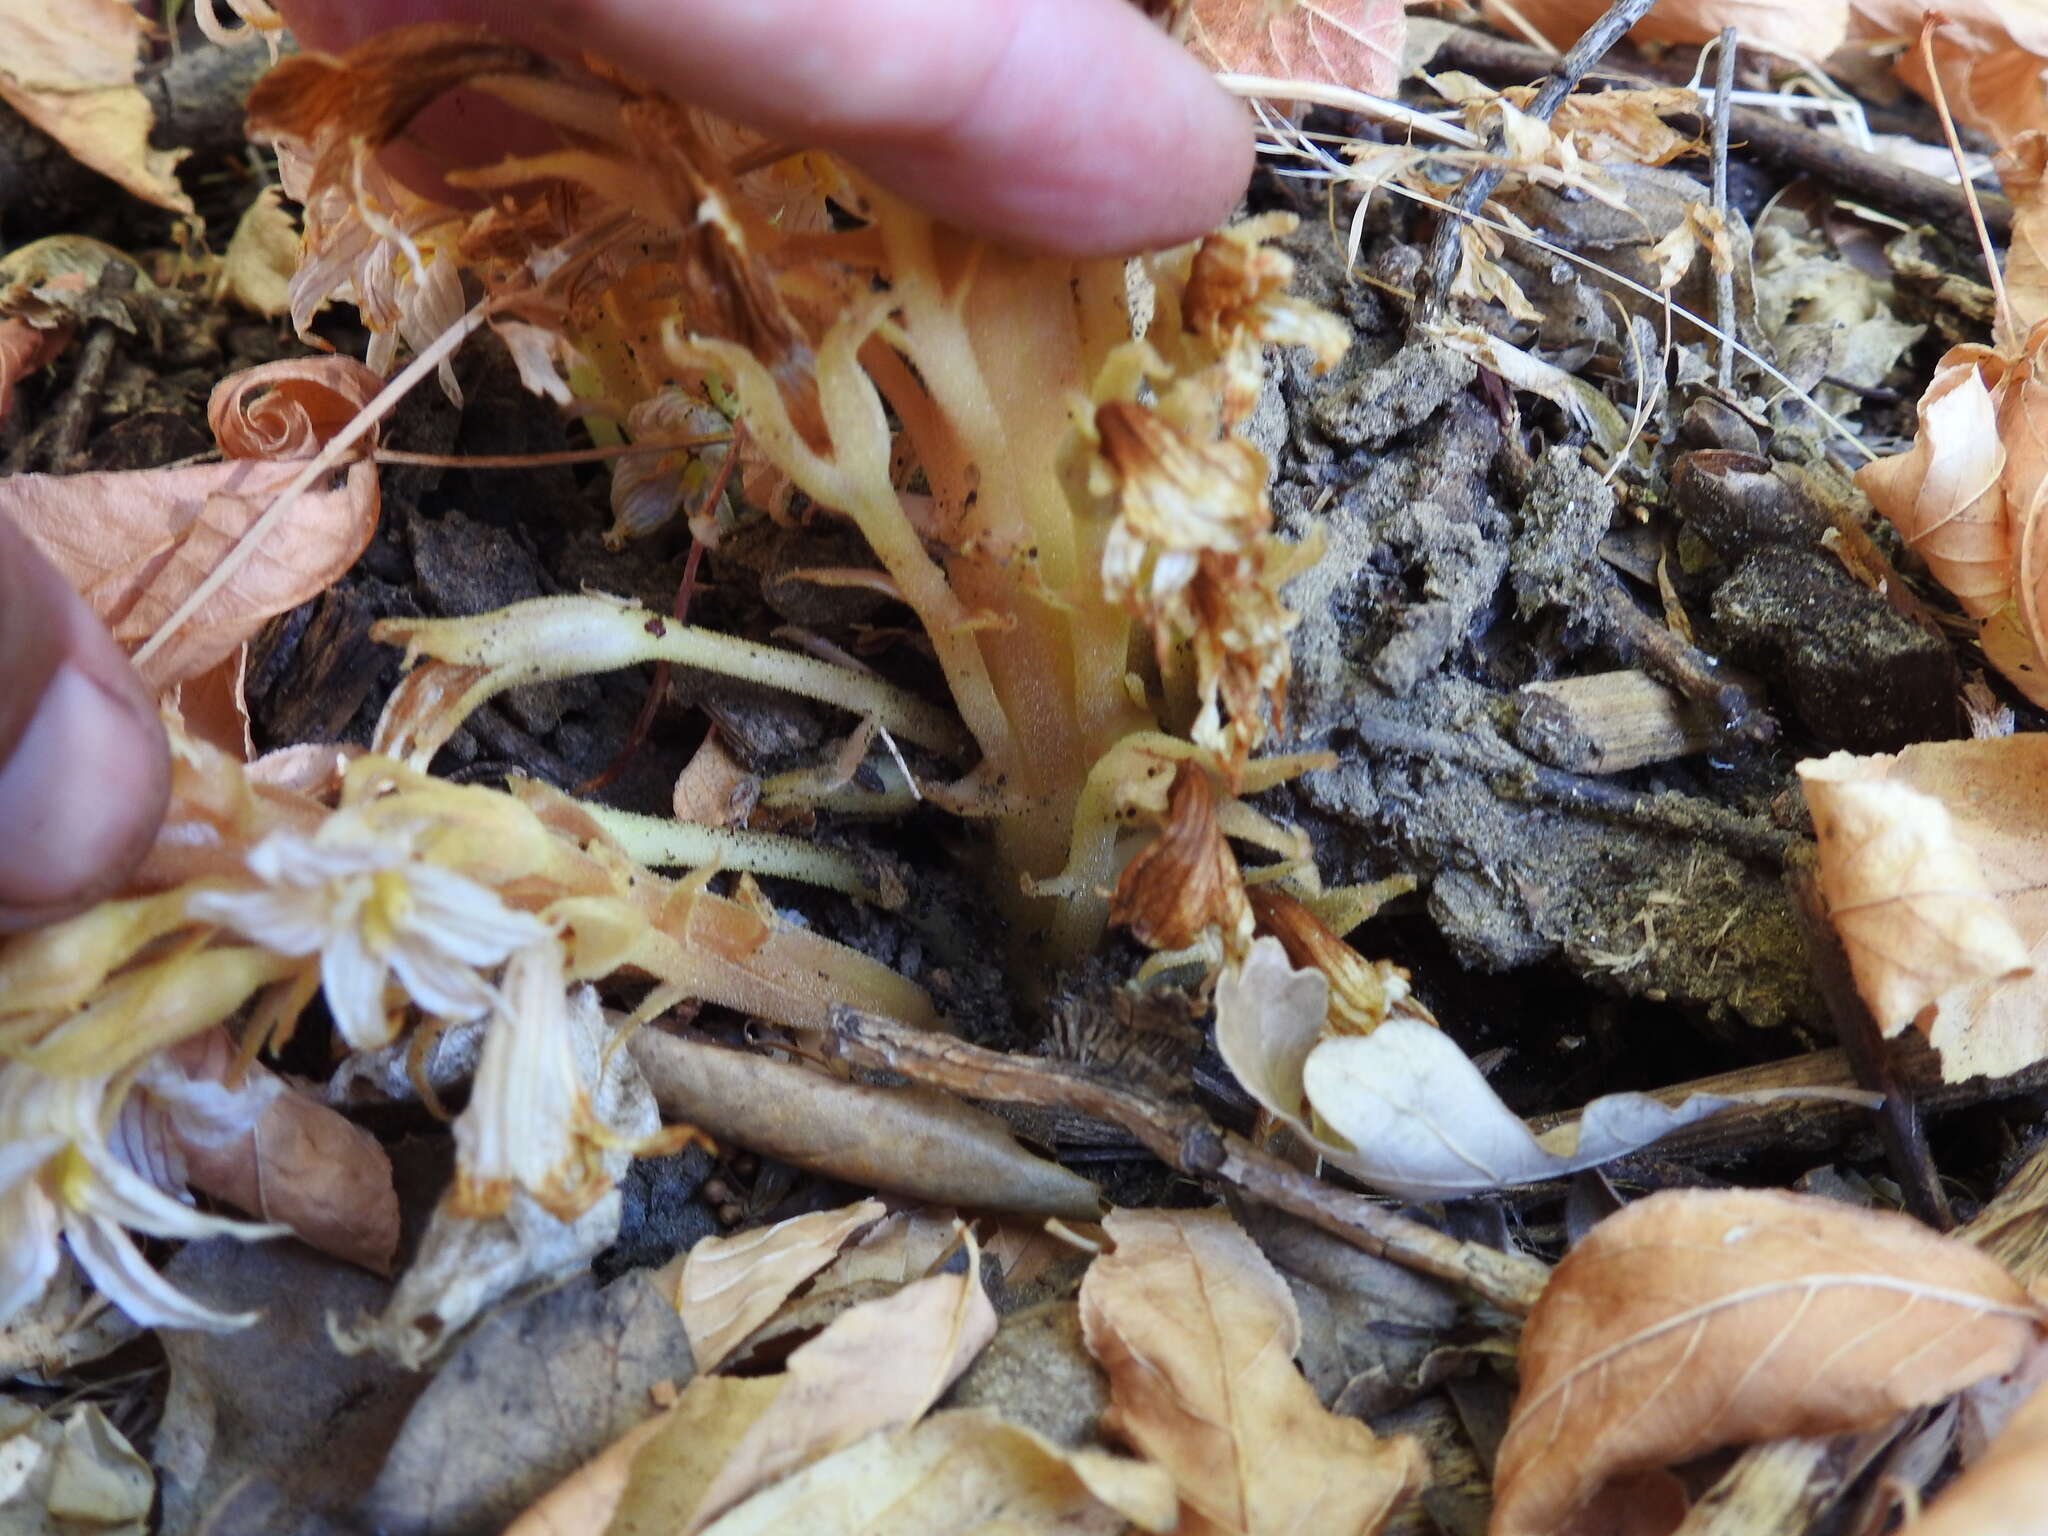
x=961, y=1471
x=1982, y=1000
x=1904, y=888
x=249, y=1139
x=2022, y=166
x=713, y=789
x=731, y=1285
x=878, y=1367
x=135, y=544
x=1946, y=495
x=926, y=1145
x=1813, y=29
x=1198, y=1334
x=256, y=268
x=1990, y=54
x=1354, y=43
x=1697, y=1319
x=70, y=70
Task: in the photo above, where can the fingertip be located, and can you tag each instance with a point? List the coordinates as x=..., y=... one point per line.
x=84, y=767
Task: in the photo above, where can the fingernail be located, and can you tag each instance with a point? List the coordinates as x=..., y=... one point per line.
x=79, y=799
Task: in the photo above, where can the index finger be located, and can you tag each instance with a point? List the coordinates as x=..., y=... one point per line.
x=1070, y=125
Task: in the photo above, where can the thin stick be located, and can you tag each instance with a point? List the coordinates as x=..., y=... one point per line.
x=543, y=460
x=1183, y=1138
x=329, y=457
x=1724, y=276
x=1898, y=1118
x=1445, y=249
x=1344, y=99
x=1955, y=148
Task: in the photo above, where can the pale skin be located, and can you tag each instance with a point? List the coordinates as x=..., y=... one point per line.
x=1068, y=125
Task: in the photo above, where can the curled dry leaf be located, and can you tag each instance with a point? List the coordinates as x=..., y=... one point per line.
x=1990, y=54
x=1354, y=43
x=288, y=409
x=1946, y=494
x=731, y=1285
x=2023, y=168
x=70, y=70
x=1697, y=1319
x=1198, y=1334
x=1932, y=862
x=249, y=1139
x=135, y=544
x=1404, y=1109
x=1813, y=30
x=75, y=1473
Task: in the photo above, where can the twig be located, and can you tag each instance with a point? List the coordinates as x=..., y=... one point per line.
x=1441, y=266
x=1643, y=641
x=1184, y=1138
x=1522, y=778
x=76, y=411
x=1724, y=277
x=1867, y=177
x=1898, y=1122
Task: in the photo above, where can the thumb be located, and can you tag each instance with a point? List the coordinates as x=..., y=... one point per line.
x=84, y=770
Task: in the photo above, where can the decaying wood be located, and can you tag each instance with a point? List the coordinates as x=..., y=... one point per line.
x=1784, y=1486
x=1183, y=1138
x=1608, y=722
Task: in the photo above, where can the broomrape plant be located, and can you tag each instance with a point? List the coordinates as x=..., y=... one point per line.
x=1057, y=494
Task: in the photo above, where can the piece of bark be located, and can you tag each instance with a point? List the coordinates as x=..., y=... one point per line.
x=1609, y=722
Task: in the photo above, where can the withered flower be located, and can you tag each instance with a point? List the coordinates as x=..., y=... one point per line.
x=1363, y=993
x=1186, y=881
x=1192, y=552
x=1237, y=301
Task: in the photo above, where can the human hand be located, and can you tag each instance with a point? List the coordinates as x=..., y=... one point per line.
x=1068, y=125
x=84, y=773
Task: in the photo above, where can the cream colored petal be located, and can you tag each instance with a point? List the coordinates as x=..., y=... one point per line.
x=353, y=980
x=124, y=1277
x=466, y=919
x=443, y=986
x=28, y=1246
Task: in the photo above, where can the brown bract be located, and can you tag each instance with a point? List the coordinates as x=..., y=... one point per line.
x=1186, y=881
x=1362, y=991
x=1198, y=1333
x=1693, y=1320
x=1237, y=300
x=1192, y=552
